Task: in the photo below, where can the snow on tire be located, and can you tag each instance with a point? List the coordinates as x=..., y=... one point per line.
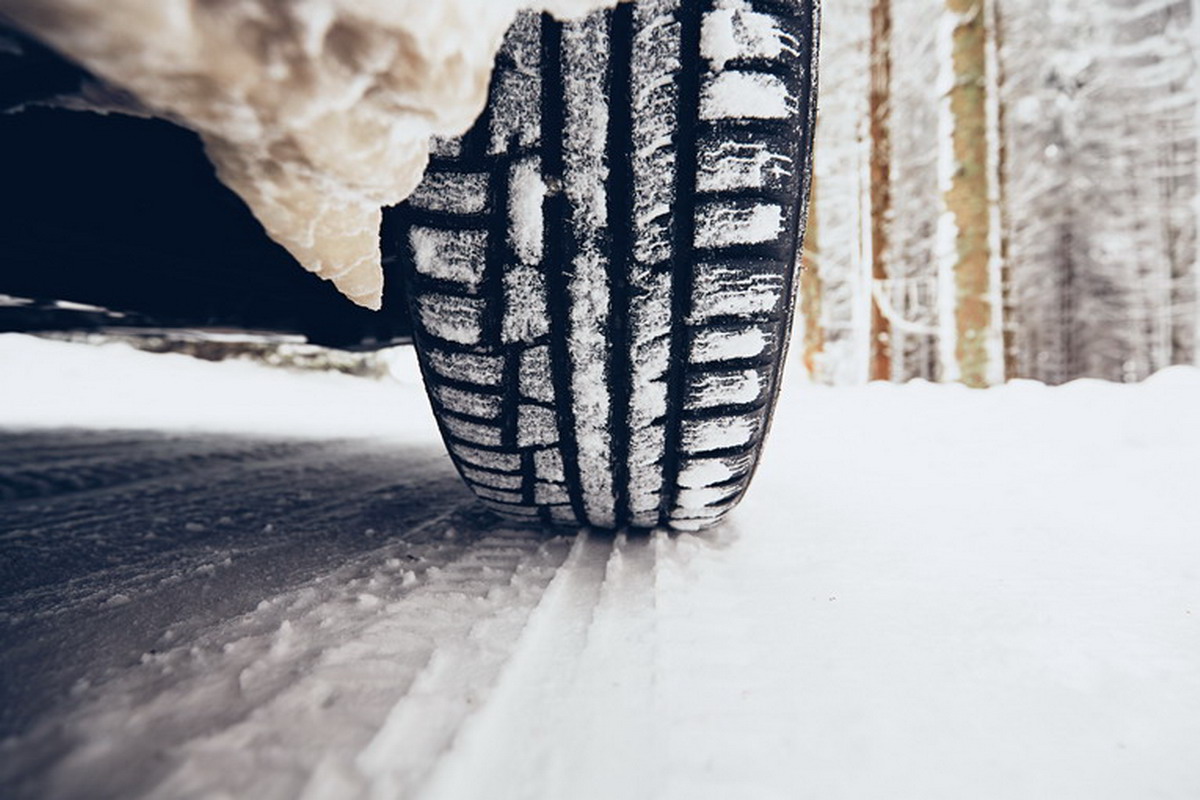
x=601, y=271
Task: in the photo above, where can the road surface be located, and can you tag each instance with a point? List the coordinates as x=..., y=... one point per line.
x=236, y=591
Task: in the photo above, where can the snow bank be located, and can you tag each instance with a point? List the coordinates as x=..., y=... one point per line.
x=113, y=386
x=316, y=113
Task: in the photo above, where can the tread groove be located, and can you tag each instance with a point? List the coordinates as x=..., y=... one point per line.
x=620, y=188
x=688, y=85
x=558, y=253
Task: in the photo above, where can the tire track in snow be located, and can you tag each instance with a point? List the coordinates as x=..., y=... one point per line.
x=89, y=584
x=34, y=465
x=284, y=699
x=573, y=714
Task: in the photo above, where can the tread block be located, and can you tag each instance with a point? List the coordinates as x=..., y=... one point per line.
x=713, y=390
x=486, y=459
x=516, y=91
x=545, y=494
x=457, y=256
x=483, y=370
x=526, y=316
x=454, y=319
x=646, y=473
x=737, y=94
x=706, y=497
x=698, y=473
x=721, y=291
x=495, y=480
x=729, y=166
x=445, y=146
x=548, y=465
x=452, y=192
x=526, y=196
x=536, y=426
x=534, y=375
x=718, y=433
x=730, y=224
x=713, y=345
x=500, y=495
x=472, y=431
x=734, y=31
x=473, y=404
x=653, y=157
x=563, y=515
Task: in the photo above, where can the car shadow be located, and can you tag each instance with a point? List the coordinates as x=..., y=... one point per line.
x=115, y=543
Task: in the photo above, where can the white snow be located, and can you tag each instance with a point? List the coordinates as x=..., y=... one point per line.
x=733, y=30
x=720, y=225
x=526, y=315
x=527, y=192
x=113, y=386
x=449, y=255
x=929, y=592
x=744, y=95
x=455, y=319
x=715, y=344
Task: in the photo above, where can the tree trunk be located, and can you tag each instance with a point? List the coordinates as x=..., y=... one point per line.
x=967, y=211
x=879, y=104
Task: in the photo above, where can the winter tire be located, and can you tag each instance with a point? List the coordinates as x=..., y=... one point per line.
x=601, y=272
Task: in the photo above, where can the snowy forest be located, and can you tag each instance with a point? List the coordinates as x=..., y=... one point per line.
x=1004, y=189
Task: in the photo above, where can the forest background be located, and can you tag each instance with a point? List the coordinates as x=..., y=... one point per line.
x=1004, y=189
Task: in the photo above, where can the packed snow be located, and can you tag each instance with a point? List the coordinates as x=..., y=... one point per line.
x=317, y=114
x=214, y=584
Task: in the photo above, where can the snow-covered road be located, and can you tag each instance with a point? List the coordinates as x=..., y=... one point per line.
x=218, y=580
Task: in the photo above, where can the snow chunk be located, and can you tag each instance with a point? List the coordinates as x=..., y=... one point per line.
x=316, y=114
x=527, y=191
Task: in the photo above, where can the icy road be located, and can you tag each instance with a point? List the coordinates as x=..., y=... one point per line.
x=219, y=580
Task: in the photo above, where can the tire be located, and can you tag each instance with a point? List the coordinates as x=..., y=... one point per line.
x=601, y=272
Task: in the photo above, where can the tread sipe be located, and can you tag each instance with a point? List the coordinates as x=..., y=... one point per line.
x=601, y=270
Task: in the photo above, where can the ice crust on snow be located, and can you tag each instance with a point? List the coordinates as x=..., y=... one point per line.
x=315, y=113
